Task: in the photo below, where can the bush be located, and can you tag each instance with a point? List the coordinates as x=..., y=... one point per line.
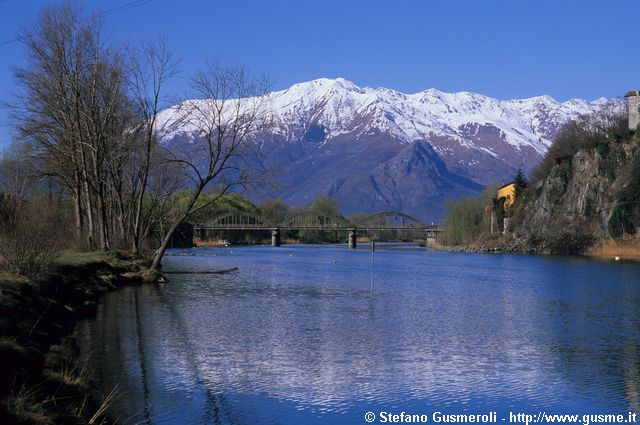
x=586, y=132
x=30, y=234
x=625, y=217
x=468, y=218
x=569, y=243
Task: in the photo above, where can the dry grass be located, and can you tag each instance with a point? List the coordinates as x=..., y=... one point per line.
x=26, y=407
x=73, y=376
x=99, y=417
x=610, y=249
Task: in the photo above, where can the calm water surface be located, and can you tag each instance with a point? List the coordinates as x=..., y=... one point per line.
x=297, y=336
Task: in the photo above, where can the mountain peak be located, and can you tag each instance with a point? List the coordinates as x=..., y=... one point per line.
x=334, y=83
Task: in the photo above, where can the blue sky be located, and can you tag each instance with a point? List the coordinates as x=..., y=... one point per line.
x=504, y=49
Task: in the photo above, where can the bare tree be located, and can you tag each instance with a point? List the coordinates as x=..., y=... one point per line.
x=17, y=176
x=89, y=111
x=152, y=65
x=230, y=112
x=73, y=109
x=90, y=114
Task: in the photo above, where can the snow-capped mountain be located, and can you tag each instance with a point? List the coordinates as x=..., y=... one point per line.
x=380, y=149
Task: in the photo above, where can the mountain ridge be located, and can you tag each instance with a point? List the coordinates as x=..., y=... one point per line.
x=337, y=132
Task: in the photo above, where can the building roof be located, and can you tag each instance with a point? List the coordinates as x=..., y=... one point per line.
x=506, y=184
x=632, y=93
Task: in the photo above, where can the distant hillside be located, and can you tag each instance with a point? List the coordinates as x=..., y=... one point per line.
x=379, y=149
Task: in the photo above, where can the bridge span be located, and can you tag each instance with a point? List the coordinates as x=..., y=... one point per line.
x=316, y=220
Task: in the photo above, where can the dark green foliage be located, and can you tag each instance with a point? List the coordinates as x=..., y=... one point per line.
x=326, y=205
x=330, y=207
x=603, y=149
x=625, y=218
x=621, y=222
x=231, y=202
x=612, y=156
x=562, y=170
x=607, y=163
x=608, y=171
x=521, y=183
x=211, y=209
x=274, y=211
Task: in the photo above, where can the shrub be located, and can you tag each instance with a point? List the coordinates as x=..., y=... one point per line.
x=585, y=132
x=468, y=218
x=30, y=234
x=625, y=217
x=569, y=243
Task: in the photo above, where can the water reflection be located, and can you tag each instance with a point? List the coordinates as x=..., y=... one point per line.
x=296, y=337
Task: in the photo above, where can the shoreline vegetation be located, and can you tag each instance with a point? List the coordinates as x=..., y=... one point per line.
x=584, y=198
x=44, y=381
x=606, y=249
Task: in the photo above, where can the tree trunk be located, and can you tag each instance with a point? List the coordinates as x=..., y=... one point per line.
x=157, y=257
x=77, y=210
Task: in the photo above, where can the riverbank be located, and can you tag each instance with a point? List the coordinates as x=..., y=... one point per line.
x=499, y=245
x=42, y=379
x=606, y=249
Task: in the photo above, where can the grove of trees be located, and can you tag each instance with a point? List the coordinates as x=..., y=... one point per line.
x=86, y=142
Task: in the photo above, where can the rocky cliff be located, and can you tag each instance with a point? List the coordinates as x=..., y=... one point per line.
x=591, y=195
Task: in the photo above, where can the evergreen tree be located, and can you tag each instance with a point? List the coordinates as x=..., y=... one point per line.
x=521, y=183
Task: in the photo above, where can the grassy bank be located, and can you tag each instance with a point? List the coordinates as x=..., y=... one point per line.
x=42, y=379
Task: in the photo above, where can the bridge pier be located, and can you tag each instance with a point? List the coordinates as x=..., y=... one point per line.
x=353, y=236
x=201, y=233
x=275, y=237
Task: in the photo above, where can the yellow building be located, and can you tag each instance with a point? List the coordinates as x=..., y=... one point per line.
x=508, y=192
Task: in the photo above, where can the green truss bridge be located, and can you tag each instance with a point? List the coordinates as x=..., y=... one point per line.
x=315, y=220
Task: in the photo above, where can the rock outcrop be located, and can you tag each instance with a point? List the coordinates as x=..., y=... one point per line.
x=584, y=198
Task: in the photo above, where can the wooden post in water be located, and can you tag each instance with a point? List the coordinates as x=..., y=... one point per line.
x=373, y=250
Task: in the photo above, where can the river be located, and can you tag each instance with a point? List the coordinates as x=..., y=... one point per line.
x=298, y=336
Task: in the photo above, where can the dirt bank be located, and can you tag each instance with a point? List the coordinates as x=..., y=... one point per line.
x=42, y=378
